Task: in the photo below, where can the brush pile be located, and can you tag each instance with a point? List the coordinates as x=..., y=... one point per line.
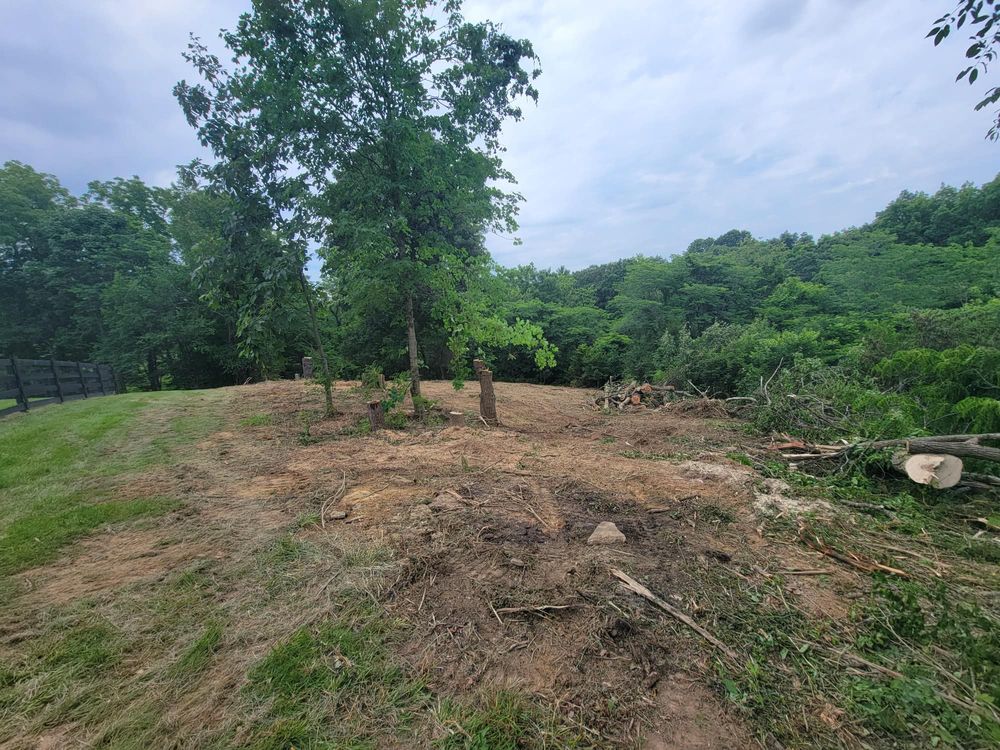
x=624, y=395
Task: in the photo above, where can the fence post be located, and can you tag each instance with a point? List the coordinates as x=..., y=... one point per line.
x=55, y=375
x=83, y=381
x=100, y=379
x=20, y=383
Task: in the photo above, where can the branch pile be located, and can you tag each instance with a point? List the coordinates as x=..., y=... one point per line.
x=624, y=395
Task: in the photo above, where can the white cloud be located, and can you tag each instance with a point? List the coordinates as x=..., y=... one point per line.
x=658, y=122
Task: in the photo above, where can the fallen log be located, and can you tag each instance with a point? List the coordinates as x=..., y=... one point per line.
x=939, y=471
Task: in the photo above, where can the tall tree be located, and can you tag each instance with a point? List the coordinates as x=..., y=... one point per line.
x=396, y=90
x=983, y=17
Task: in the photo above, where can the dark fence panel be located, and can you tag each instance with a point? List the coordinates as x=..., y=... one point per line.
x=36, y=382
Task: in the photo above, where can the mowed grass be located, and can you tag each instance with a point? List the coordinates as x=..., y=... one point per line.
x=56, y=467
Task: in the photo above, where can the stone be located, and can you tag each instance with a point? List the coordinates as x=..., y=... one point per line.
x=336, y=515
x=517, y=562
x=606, y=533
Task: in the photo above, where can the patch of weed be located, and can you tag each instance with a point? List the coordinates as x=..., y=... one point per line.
x=200, y=653
x=256, y=420
x=503, y=721
x=332, y=683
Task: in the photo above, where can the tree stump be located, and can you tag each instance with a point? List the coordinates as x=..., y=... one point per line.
x=381, y=381
x=487, y=399
x=478, y=365
x=456, y=418
x=376, y=416
x=307, y=367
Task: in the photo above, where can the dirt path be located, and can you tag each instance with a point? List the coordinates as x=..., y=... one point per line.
x=489, y=567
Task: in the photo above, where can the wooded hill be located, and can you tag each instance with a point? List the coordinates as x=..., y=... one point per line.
x=899, y=318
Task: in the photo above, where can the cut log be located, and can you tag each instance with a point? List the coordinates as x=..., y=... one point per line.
x=376, y=415
x=456, y=418
x=937, y=470
x=487, y=399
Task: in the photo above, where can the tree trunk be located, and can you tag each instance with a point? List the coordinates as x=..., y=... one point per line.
x=939, y=471
x=411, y=343
x=318, y=341
x=487, y=398
x=376, y=416
x=153, y=370
x=953, y=448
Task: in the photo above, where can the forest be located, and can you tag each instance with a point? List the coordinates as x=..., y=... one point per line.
x=895, y=325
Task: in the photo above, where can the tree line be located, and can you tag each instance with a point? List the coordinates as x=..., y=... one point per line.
x=367, y=135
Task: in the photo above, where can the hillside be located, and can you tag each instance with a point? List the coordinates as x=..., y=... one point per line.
x=236, y=570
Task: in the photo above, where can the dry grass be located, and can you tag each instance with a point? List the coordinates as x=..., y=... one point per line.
x=456, y=603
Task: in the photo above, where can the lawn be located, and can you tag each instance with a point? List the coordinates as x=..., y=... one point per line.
x=57, y=467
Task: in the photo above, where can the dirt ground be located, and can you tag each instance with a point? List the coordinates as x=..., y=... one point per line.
x=488, y=528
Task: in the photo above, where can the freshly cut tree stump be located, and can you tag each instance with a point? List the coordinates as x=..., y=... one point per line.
x=938, y=470
x=456, y=418
x=478, y=365
x=376, y=416
x=487, y=399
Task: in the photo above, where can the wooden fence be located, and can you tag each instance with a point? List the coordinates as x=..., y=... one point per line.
x=36, y=382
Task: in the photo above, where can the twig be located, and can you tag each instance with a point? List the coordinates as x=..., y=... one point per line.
x=332, y=499
x=635, y=587
x=538, y=608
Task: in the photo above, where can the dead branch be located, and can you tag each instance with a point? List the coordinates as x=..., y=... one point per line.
x=637, y=588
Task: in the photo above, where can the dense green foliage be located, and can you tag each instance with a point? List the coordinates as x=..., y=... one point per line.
x=888, y=329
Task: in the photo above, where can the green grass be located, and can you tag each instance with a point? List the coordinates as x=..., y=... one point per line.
x=56, y=467
x=37, y=538
x=199, y=654
x=503, y=721
x=938, y=627
x=256, y=420
x=332, y=684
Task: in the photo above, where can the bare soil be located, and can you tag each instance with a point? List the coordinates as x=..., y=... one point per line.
x=493, y=576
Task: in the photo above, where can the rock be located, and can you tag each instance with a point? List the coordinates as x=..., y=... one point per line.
x=606, y=533
x=336, y=515
x=517, y=562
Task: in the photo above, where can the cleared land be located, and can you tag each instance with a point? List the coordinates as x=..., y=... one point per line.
x=227, y=569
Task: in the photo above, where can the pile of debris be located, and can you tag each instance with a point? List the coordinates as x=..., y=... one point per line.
x=934, y=460
x=622, y=395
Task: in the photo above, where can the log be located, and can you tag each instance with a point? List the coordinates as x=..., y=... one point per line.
x=968, y=448
x=487, y=398
x=937, y=470
x=456, y=418
x=376, y=416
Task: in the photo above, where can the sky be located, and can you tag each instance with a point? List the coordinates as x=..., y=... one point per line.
x=659, y=121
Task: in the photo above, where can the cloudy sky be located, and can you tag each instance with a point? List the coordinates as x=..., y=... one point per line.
x=660, y=121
